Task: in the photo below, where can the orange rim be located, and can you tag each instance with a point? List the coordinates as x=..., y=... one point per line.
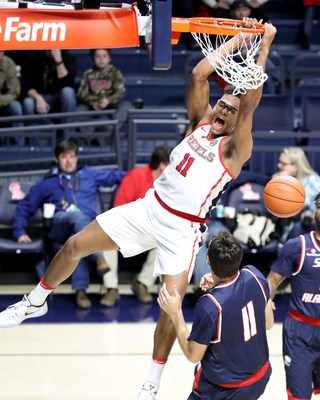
x=214, y=26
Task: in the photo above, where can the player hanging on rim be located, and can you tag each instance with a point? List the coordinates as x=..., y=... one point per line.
x=171, y=216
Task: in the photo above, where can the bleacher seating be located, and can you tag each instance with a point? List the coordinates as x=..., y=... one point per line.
x=305, y=74
x=267, y=146
x=275, y=112
x=149, y=128
x=310, y=108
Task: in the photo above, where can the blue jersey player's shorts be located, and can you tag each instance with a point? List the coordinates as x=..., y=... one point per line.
x=301, y=353
x=205, y=390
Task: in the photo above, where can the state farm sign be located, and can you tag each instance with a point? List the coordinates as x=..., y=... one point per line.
x=27, y=29
x=15, y=30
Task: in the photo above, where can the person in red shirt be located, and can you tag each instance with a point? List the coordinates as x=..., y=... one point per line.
x=134, y=186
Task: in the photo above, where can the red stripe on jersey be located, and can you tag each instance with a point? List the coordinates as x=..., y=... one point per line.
x=197, y=377
x=249, y=381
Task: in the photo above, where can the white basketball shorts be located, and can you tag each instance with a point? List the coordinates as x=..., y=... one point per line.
x=144, y=224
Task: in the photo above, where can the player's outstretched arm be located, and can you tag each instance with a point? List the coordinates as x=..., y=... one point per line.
x=171, y=304
x=242, y=136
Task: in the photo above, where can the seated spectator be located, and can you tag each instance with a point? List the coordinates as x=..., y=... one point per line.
x=294, y=162
x=240, y=9
x=10, y=91
x=102, y=87
x=234, y=9
x=48, y=78
x=134, y=186
x=73, y=192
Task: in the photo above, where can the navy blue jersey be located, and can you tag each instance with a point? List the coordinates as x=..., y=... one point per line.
x=299, y=260
x=231, y=321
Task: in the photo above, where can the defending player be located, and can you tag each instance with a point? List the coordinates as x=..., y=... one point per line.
x=228, y=333
x=299, y=260
x=170, y=217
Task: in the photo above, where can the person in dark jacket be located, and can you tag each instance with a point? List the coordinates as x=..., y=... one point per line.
x=73, y=194
x=48, y=78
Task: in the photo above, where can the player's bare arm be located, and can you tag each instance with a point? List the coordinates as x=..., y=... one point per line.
x=269, y=315
x=274, y=280
x=241, y=141
x=171, y=304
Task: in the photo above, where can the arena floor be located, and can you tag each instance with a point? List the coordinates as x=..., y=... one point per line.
x=101, y=353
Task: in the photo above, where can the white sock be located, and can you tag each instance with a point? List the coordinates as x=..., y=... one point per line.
x=155, y=372
x=39, y=295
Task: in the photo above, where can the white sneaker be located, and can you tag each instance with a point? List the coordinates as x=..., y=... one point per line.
x=18, y=312
x=148, y=391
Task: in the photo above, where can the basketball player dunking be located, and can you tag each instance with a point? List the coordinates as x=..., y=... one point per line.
x=169, y=218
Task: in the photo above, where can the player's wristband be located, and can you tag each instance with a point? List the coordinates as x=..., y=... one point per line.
x=59, y=63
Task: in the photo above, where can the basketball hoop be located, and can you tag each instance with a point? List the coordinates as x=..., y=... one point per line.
x=237, y=65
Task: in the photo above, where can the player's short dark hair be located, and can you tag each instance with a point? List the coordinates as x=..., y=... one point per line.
x=225, y=255
x=317, y=198
x=229, y=89
x=65, y=146
x=161, y=154
x=92, y=52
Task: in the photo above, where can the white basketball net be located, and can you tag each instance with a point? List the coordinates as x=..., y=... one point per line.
x=237, y=67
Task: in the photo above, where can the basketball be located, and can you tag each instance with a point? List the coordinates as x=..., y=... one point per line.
x=284, y=196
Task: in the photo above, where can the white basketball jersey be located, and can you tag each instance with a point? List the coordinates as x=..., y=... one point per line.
x=196, y=177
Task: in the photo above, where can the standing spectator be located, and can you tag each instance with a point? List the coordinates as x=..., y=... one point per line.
x=311, y=13
x=229, y=324
x=294, y=162
x=102, y=86
x=10, y=91
x=73, y=191
x=48, y=78
x=299, y=261
x=134, y=186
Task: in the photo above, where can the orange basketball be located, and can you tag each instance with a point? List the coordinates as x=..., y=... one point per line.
x=284, y=196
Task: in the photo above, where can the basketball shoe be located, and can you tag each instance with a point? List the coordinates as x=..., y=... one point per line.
x=18, y=312
x=148, y=391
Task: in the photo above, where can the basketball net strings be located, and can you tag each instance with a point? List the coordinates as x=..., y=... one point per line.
x=237, y=67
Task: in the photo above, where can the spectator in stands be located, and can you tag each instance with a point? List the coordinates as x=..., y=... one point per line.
x=311, y=13
x=73, y=192
x=134, y=186
x=102, y=86
x=235, y=9
x=240, y=9
x=48, y=78
x=10, y=91
x=294, y=162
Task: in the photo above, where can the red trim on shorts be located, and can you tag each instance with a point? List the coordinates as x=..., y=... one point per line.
x=303, y=318
x=180, y=214
x=291, y=397
x=249, y=381
x=159, y=360
x=45, y=285
x=316, y=391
